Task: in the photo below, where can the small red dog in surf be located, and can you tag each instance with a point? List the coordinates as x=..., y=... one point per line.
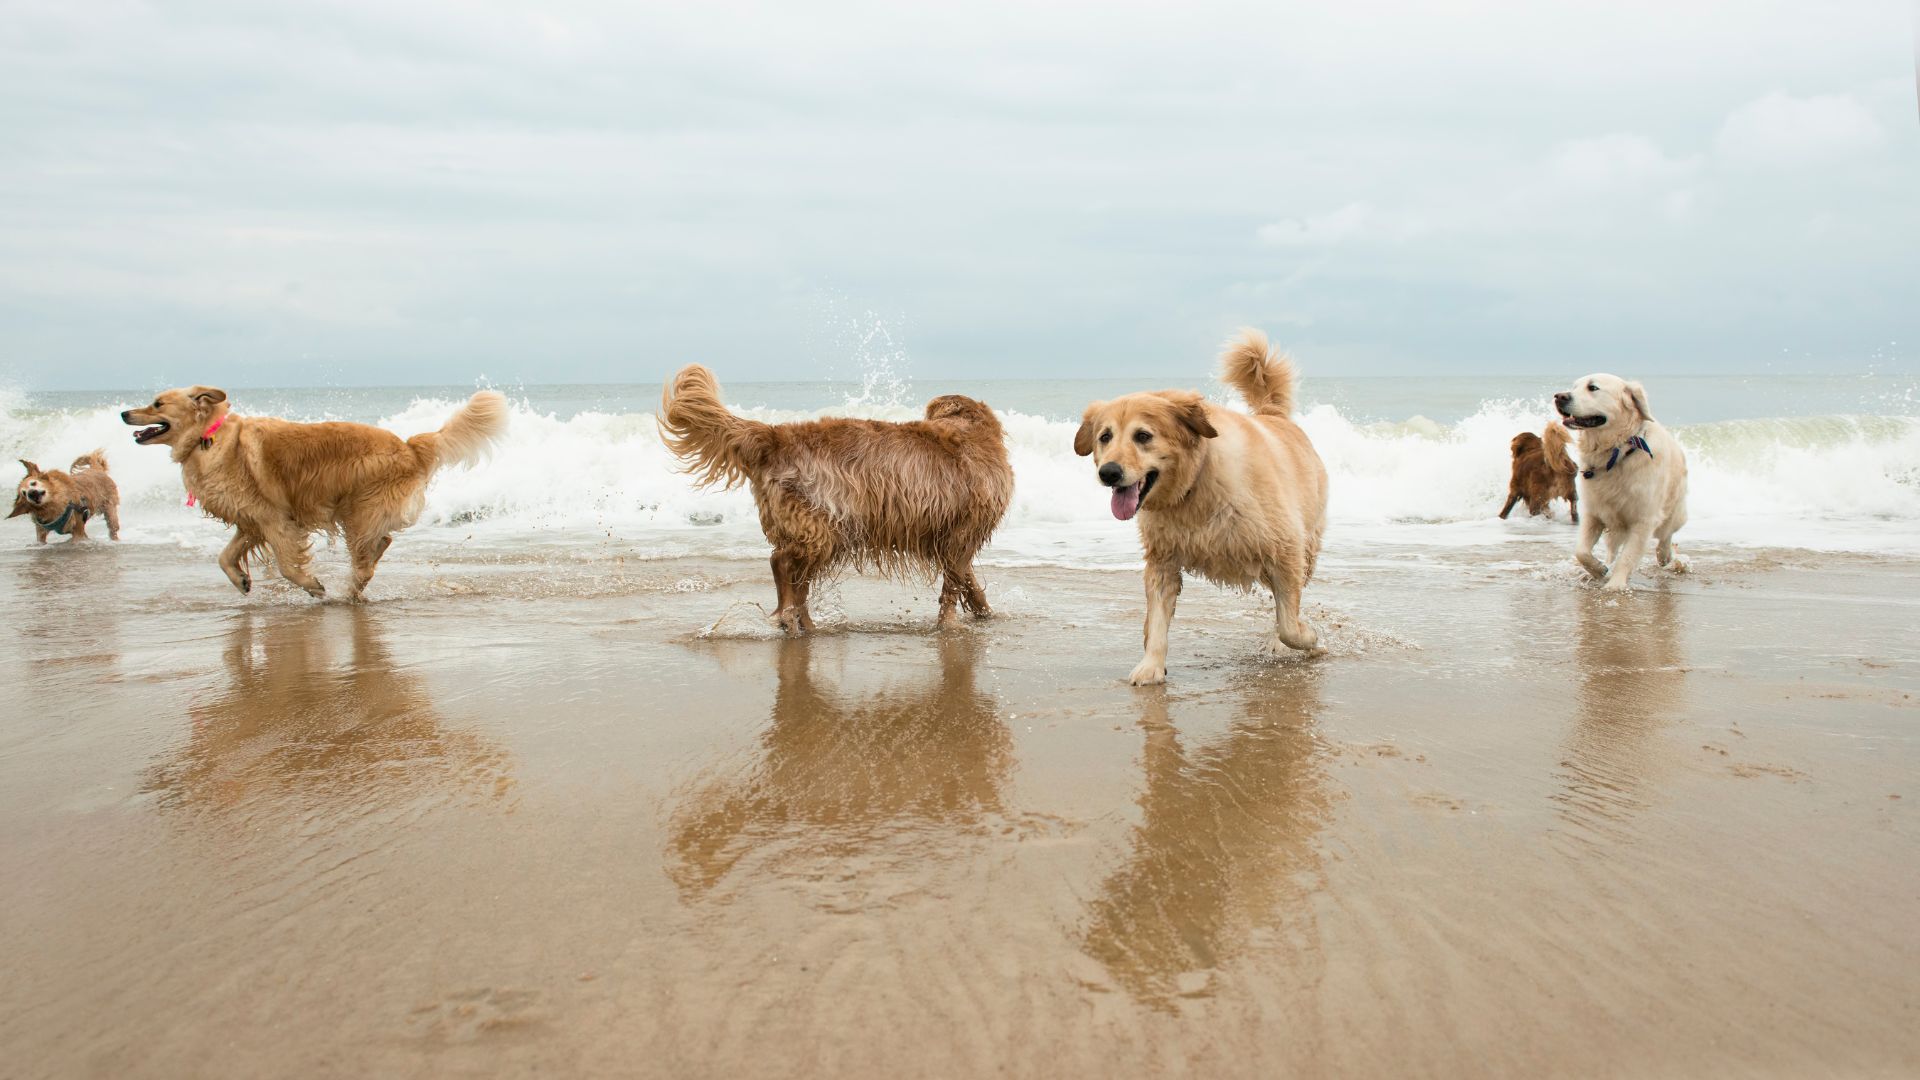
x=1542, y=472
x=60, y=503
x=923, y=495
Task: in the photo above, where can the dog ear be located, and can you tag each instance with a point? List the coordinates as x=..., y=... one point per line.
x=1191, y=411
x=1639, y=395
x=32, y=469
x=208, y=396
x=1083, y=439
x=20, y=505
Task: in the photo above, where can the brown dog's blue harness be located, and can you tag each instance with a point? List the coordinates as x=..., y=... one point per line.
x=1637, y=442
x=64, y=523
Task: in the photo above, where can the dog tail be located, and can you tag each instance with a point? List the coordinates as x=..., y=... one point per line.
x=469, y=433
x=1261, y=373
x=1555, y=445
x=95, y=460
x=717, y=446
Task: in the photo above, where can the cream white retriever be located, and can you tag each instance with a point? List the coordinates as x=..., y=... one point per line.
x=1633, y=481
x=1240, y=500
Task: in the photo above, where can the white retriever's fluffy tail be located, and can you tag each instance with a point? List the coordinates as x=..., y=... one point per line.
x=1262, y=374
x=469, y=433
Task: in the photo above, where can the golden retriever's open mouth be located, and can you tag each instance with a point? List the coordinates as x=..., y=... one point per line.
x=148, y=434
x=1126, y=500
x=1584, y=421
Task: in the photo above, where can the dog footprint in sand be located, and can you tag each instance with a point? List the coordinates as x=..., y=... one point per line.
x=467, y=1015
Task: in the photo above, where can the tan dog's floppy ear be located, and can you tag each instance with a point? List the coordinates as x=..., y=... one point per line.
x=20, y=505
x=1639, y=395
x=1191, y=410
x=207, y=395
x=32, y=469
x=1083, y=439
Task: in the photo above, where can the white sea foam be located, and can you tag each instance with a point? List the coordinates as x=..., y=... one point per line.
x=1838, y=483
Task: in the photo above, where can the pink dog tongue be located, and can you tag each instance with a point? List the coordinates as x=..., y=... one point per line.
x=1126, y=502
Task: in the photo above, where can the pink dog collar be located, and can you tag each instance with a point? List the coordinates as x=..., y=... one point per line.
x=206, y=440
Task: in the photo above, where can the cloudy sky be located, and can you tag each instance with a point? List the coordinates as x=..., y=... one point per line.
x=366, y=191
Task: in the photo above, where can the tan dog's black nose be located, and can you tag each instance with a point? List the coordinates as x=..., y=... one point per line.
x=35, y=495
x=1110, y=474
x=123, y=416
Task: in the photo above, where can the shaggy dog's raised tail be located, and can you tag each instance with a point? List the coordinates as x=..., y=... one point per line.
x=467, y=435
x=1262, y=374
x=717, y=446
x=1555, y=447
x=95, y=460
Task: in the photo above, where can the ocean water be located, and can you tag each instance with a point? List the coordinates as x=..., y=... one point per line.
x=1826, y=463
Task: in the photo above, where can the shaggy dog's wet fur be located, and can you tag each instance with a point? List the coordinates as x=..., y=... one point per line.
x=1240, y=500
x=1542, y=472
x=922, y=496
x=1635, y=494
x=48, y=496
x=277, y=481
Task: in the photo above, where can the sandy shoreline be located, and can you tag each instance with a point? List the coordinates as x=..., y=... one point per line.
x=525, y=818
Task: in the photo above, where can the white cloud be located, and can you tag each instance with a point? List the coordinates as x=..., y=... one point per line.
x=1617, y=161
x=1324, y=230
x=1781, y=130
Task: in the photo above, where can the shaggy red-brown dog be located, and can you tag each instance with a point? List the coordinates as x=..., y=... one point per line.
x=61, y=502
x=277, y=482
x=1542, y=472
x=922, y=496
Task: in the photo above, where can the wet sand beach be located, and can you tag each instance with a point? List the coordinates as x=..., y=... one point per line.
x=588, y=816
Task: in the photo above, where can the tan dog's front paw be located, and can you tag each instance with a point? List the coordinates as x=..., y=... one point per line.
x=1149, y=672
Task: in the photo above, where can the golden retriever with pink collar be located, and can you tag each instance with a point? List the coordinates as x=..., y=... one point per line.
x=1239, y=499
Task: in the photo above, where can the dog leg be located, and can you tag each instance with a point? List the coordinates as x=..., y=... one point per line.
x=39, y=532
x=113, y=520
x=289, y=543
x=1626, y=559
x=1290, y=631
x=975, y=597
x=950, y=590
x=233, y=560
x=1583, y=548
x=1512, y=497
x=788, y=609
x=958, y=587
x=366, y=554
x=1163, y=590
x=1573, y=507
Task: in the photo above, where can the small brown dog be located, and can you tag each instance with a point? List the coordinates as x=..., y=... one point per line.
x=277, y=482
x=1542, y=472
x=61, y=502
x=895, y=498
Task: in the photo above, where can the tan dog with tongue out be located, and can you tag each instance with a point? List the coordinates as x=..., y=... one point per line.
x=1239, y=499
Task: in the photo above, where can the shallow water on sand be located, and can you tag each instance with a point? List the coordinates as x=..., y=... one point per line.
x=590, y=817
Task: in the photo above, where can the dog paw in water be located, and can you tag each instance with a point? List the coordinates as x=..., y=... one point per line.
x=1148, y=673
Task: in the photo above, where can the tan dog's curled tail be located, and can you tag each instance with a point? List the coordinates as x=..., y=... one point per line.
x=468, y=434
x=1556, y=440
x=95, y=460
x=1262, y=374
x=717, y=446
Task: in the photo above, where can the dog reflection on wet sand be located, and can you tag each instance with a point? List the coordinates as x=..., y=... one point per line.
x=293, y=726
x=1226, y=833
x=1633, y=683
x=839, y=773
